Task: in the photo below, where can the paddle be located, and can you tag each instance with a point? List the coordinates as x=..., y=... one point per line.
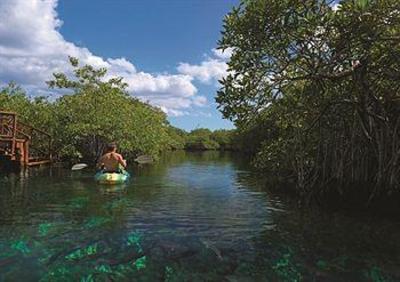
x=79, y=166
x=143, y=159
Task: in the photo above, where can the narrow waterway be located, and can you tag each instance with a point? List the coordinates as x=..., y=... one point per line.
x=190, y=217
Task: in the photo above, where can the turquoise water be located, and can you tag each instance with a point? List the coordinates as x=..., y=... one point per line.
x=190, y=217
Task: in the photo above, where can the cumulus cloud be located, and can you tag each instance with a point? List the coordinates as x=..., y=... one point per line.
x=200, y=101
x=32, y=48
x=205, y=72
x=211, y=69
x=223, y=54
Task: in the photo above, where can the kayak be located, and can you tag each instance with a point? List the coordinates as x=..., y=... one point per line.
x=112, y=177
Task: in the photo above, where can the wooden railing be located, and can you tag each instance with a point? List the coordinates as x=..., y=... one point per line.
x=40, y=141
x=15, y=134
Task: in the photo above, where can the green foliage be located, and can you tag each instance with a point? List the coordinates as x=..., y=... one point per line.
x=100, y=111
x=176, y=138
x=13, y=98
x=226, y=139
x=39, y=111
x=314, y=92
x=96, y=111
x=203, y=139
x=200, y=139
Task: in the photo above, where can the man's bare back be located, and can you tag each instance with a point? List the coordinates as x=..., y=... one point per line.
x=110, y=161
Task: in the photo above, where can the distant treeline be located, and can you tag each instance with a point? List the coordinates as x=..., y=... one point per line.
x=202, y=139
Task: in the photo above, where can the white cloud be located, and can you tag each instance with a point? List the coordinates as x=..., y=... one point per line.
x=200, y=101
x=32, y=48
x=223, y=55
x=150, y=85
x=175, y=113
x=211, y=69
x=206, y=72
x=121, y=65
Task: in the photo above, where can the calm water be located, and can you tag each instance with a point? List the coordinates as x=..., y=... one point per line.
x=191, y=217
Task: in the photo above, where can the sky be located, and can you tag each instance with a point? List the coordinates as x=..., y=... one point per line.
x=164, y=49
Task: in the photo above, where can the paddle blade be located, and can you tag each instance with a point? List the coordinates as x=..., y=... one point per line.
x=79, y=166
x=144, y=159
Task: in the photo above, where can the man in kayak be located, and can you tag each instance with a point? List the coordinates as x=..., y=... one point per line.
x=111, y=160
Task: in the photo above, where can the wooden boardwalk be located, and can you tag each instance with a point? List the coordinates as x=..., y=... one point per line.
x=22, y=144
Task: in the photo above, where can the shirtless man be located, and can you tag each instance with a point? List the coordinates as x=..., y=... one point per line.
x=111, y=160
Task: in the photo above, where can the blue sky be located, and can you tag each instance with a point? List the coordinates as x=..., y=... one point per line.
x=165, y=50
x=154, y=34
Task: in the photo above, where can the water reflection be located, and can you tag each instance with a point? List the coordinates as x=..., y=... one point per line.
x=189, y=217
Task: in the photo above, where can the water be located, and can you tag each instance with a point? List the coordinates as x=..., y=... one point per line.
x=191, y=217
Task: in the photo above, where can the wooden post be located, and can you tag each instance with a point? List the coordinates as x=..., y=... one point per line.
x=14, y=135
x=26, y=152
x=19, y=152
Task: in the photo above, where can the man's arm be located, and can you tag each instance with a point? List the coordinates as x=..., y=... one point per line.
x=121, y=161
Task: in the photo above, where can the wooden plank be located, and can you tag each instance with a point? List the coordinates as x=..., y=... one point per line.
x=8, y=113
x=35, y=163
x=9, y=139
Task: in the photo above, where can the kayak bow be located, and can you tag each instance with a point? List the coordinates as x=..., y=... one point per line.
x=111, y=177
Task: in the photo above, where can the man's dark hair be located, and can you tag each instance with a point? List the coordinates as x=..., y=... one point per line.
x=111, y=147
